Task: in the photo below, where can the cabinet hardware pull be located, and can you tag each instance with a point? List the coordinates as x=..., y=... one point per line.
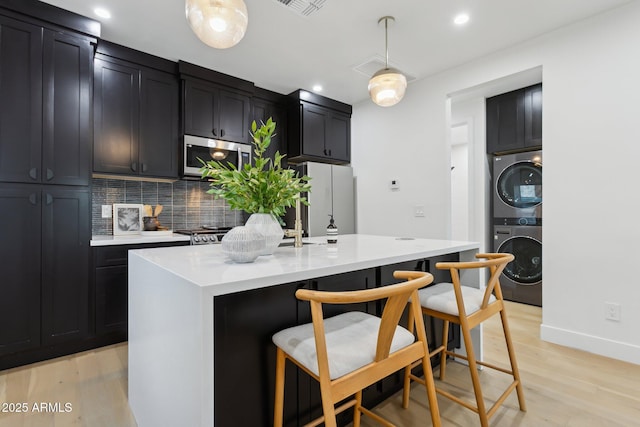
x=33, y=199
x=49, y=199
x=49, y=174
x=134, y=166
x=221, y=132
x=144, y=167
x=214, y=132
x=33, y=173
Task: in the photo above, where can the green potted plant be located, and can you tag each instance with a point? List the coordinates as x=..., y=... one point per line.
x=262, y=188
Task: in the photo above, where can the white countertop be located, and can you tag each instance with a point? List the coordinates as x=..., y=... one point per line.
x=135, y=239
x=208, y=268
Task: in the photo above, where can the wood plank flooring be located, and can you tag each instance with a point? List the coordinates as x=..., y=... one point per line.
x=563, y=387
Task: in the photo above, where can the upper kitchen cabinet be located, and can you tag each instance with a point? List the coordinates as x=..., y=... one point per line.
x=264, y=105
x=514, y=120
x=45, y=113
x=215, y=105
x=319, y=129
x=136, y=113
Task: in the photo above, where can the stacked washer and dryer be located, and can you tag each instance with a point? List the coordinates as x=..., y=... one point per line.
x=517, y=223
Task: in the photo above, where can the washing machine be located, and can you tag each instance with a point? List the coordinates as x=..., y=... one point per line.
x=517, y=185
x=521, y=280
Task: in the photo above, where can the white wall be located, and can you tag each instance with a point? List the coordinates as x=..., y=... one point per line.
x=591, y=145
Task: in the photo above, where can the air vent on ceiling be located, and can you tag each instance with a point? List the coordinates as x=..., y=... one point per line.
x=303, y=7
x=372, y=65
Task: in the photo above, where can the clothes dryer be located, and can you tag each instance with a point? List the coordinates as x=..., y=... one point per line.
x=521, y=280
x=517, y=185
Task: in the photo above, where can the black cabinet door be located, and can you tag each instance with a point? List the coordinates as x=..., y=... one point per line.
x=66, y=232
x=116, y=123
x=159, y=116
x=338, y=143
x=244, y=360
x=21, y=101
x=212, y=111
x=322, y=134
x=200, y=109
x=514, y=120
x=505, y=122
x=533, y=116
x=314, y=130
x=20, y=229
x=233, y=116
x=262, y=111
x=66, y=105
x=111, y=299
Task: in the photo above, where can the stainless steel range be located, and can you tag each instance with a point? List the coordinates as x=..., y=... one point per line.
x=205, y=235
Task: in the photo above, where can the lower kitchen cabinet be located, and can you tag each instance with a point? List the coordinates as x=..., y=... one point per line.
x=244, y=355
x=111, y=288
x=45, y=233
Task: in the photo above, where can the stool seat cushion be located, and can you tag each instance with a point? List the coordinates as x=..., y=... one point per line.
x=441, y=297
x=351, y=342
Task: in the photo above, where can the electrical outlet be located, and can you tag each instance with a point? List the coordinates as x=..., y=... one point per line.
x=106, y=211
x=418, y=211
x=394, y=185
x=612, y=311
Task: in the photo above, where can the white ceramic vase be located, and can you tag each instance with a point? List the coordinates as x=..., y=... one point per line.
x=242, y=244
x=267, y=225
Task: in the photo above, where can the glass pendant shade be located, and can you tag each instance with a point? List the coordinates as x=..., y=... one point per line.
x=218, y=23
x=387, y=87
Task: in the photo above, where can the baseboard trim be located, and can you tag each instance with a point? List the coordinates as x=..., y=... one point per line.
x=592, y=344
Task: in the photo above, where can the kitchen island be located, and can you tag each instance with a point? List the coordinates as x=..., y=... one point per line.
x=200, y=325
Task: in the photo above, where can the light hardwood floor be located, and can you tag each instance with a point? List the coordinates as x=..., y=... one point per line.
x=563, y=387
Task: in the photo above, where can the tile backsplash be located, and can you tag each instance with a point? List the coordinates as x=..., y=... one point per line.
x=186, y=204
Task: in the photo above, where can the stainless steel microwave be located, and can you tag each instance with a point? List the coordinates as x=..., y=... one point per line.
x=197, y=147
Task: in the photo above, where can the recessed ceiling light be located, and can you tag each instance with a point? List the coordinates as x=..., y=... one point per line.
x=461, y=19
x=317, y=88
x=102, y=12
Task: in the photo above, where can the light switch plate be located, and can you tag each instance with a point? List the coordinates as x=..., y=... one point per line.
x=418, y=211
x=106, y=211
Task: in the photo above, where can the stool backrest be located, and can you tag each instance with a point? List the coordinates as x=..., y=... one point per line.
x=494, y=262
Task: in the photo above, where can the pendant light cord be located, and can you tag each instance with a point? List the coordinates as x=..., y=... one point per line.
x=386, y=42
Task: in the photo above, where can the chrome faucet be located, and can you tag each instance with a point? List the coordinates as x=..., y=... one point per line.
x=296, y=233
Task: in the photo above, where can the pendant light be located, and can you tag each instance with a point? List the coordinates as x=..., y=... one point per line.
x=218, y=23
x=388, y=85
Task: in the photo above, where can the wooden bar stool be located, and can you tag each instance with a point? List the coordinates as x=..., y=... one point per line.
x=350, y=351
x=468, y=307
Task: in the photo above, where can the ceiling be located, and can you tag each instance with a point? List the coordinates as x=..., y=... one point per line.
x=284, y=51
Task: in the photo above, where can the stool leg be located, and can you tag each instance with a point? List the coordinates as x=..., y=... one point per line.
x=356, y=409
x=278, y=409
x=512, y=359
x=407, y=371
x=443, y=356
x=473, y=369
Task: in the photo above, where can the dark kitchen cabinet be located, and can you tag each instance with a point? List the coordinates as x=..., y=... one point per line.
x=136, y=114
x=514, y=120
x=319, y=129
x=212, y=111
x=215, y=105
x=265, y=105
x=45, y=254
x=110, y=278
x=45, y=114
x=20, y=268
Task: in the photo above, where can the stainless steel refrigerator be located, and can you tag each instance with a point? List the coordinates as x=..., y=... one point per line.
x=331, y=193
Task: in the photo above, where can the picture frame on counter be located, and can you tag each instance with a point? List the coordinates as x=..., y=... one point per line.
x=127, y=219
